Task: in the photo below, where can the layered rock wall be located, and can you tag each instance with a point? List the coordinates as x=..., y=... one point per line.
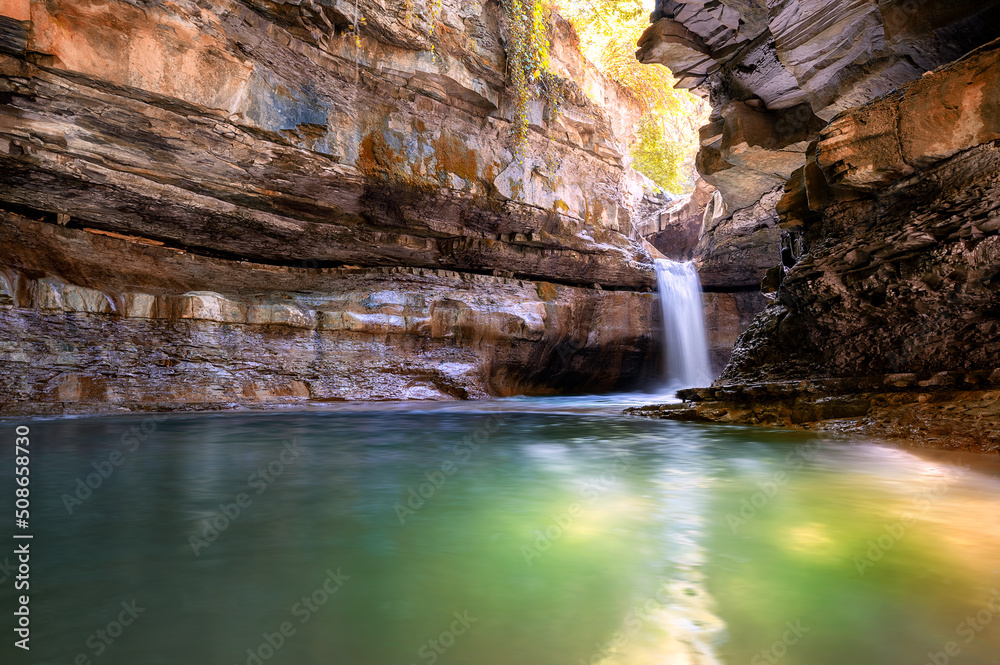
x=330, y=185
x=861, y=138
x=143, y=325
x=898, y=211
x=776, y=73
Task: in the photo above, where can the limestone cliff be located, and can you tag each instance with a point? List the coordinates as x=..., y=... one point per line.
x=253, y=200
x=885, y=284
x=897, y=213
x=776, y=73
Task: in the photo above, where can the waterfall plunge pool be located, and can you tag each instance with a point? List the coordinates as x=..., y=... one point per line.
x=494, y=533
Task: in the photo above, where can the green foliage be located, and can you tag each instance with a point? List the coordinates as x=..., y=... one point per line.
x=657, y=157
x=528, y=63
x=666, y=135
x=435, y=7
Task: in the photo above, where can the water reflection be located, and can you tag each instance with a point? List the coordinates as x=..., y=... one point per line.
x=488, y=538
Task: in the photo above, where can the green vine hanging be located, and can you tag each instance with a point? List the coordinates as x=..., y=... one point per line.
x=435, y=6
x=528, y=64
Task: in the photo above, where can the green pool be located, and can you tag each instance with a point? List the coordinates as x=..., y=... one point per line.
x=491, y=534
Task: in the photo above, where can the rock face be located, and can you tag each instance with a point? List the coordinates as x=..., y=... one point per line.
x=143, y=325
x=887, y=322
x=253, y=179
x=727, y=315
x=899, y=209
x=776, y=72
x=846, y=148
x=675, y=231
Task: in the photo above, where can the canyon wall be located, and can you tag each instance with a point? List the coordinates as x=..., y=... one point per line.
x=775, y=74
x=898, y=212
x=882, y=117
x=251, y=201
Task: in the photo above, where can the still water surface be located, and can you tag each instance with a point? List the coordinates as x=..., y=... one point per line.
x=493, y=534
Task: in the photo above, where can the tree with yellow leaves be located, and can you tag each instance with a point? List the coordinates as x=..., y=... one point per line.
x=666, y=138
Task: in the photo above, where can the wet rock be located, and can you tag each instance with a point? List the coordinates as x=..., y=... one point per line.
x=772, y=279
x=885, y=407
x=155, y=335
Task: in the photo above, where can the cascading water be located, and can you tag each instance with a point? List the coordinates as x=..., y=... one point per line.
x=686, y=356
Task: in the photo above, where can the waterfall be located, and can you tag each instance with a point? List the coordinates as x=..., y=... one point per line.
x=686, y=357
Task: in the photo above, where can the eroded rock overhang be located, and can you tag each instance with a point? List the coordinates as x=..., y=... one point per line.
x=263, y=178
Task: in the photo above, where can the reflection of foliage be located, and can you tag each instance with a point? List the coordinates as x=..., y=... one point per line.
x=667, y=133
x=657, y=157
x=528, y=61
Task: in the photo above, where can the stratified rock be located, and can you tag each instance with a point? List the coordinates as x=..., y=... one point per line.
x=669, y=43
x=149, y=326
x=727, y=315
x=776, y=72
x=735, y=252
x=676, y=230
x=950, y=410
x=901, y=269
x=332, y=186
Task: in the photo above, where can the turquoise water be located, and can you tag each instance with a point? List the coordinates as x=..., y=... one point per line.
x=522, y=531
